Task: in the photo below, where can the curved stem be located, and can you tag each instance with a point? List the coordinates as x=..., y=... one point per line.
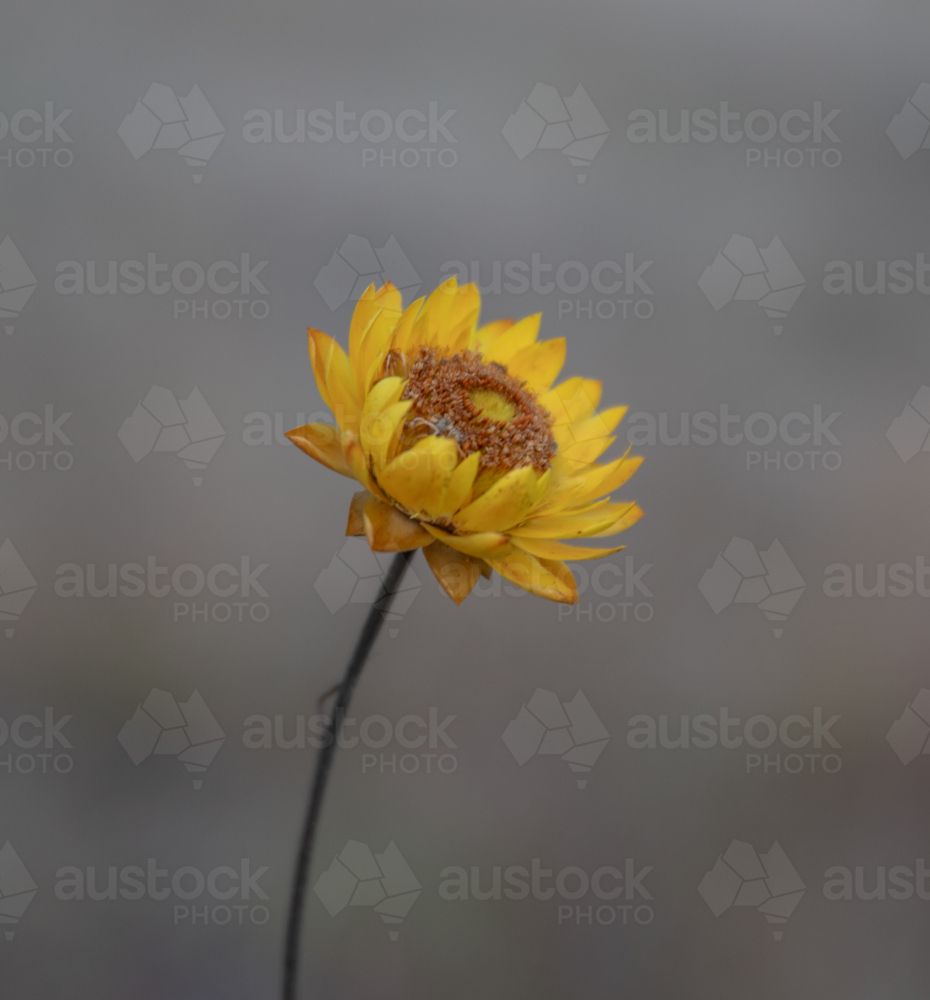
x=324, y=762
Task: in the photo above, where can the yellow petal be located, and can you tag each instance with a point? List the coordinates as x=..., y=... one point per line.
x=599, y=425
x=480, y=545
x=457, y=573
x=372, y=429
x=390, y=427
x=597, y=480
x=461, y=481
x=578, y=525
x=338, y=379
x=539, y=364
x=356, y=523
x=462, y=319
x=402, y=339
x=573, y=400
x=505, y=504
x=322, y=442
x=585, y=452
x=622, y=523
x=418, y=477
x=358, y=464
x=488, y=334
x=386, y=300
x=375, y=343
x=430, y=324
x=519, y=336
x=548, y=548
x=550, y=579
x=389, y=530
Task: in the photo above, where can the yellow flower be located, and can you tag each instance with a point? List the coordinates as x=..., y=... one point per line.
x=463, y=446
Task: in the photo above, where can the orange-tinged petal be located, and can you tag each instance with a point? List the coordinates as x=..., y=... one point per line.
x=461, y=481
x=572, y=400
x=545, y=578
x=518, y=337
x=322, y=442
x=549, y=548
x=539, y=364
x=416, y=478
x=456, y=572
x=389, y=530
x=356, y=523
x=505, y=504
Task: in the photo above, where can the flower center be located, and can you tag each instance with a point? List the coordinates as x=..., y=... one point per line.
x=480, y=406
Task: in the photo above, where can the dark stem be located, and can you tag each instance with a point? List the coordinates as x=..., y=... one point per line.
x=324, y=763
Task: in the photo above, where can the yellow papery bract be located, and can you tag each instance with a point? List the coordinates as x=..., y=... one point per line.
x=503, y=505
x=508, y=506
x=488, y=334
x=572, y=400
x=549, y=548
x=539, y=364
x=390, y=428
x=519, y=336
x=417, y=478
x=481, y=545
x=461, y=481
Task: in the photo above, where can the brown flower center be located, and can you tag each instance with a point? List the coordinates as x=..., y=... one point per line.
x=480, y=406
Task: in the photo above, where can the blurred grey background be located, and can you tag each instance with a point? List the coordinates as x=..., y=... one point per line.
x=136, y=173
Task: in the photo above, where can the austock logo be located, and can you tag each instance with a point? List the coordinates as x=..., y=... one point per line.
x=17, y=890
x=375, y=127
x=226, y=894
x=187, y=125
x=186, y=428
x=742, y=273
x=756, y=433
x=569, y=730
x=776, y=139
x=742, y=574
x=162, y=726
x=355, y=266
x=572, y=125
x=571, y=884
x=589, y=290
x=223, y=278
x=382, y=882
x=187, y=581
x=17, y=283
x=17, y=585
x=767, y=882
x=759, y=732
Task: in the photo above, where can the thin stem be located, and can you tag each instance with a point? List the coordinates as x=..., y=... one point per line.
x=324, y=763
